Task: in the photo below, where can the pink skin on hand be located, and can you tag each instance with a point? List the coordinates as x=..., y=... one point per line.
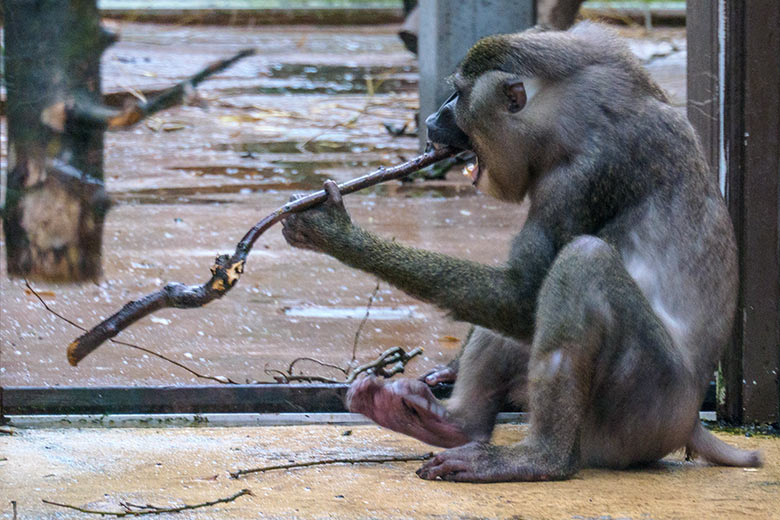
x=406, y=406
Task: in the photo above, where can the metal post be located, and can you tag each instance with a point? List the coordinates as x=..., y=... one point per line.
x=448, y=29
x=734, y=102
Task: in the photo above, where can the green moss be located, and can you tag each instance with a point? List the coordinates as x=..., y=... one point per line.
x=756, y=430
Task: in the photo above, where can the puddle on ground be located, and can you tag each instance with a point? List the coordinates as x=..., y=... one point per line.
x=340, y=79
x=341, y=73
x=277, y=175
x=250, y=149
x=159, y=197
x=295, y=169
x=298, y=177
x=376, y=313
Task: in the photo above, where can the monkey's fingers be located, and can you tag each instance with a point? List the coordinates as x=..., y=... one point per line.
x=295, y=234
x=440, y=375
x=334, y=195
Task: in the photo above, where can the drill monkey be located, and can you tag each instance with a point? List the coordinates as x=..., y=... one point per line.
x=618, y=296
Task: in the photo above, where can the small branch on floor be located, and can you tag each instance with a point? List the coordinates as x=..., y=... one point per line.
x=369, y=460
x=13, y=505
x=363, y=322
x=281, y=377
x=219, y=379
x=137, y=510
x=395, y=356
x=317, y=361
x=392, y=361
x=6, y=431
x=287, y=377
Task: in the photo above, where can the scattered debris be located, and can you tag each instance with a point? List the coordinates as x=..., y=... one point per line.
x=148, y=509
x=369, y=460
x=396, y=358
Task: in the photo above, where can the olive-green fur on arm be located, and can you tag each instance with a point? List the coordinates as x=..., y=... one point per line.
x=500, y=298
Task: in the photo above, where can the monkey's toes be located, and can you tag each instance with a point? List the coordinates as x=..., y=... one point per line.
x=440, y=375
x=457, y=464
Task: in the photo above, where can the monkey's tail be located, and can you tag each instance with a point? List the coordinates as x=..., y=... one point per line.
x=715, y=451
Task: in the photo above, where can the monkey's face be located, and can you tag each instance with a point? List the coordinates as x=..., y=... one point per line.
x=497, y=115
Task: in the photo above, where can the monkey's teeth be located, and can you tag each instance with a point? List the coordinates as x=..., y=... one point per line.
x=470, y=171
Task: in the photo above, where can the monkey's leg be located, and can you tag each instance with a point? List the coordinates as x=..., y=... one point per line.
x=590, y=313
x=491, y=367
x=447, y=373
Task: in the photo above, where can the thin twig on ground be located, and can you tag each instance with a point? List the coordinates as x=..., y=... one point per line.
x=281, y=377
x=369, y=460
x=363, y=322
x=395, y=358
x=219, y=379
x=317, y=361
x=132, y=510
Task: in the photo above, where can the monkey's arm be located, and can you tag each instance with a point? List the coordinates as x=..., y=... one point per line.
x=501, y=298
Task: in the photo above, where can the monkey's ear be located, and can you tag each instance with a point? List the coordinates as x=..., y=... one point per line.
x=516, y=94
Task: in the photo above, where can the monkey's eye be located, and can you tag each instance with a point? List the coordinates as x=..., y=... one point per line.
x=515, y=92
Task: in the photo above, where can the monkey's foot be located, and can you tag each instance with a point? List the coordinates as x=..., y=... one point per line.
x=440, y=375
x=483, y=462
x=406, y=406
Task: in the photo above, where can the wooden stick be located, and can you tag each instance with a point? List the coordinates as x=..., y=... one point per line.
x=139, y=510
x=293, y=465
x=227, y=269
x=111, y=118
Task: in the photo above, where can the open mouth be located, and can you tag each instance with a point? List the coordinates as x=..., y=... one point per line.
x=473, y=171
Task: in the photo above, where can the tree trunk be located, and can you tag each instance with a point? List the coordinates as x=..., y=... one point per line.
x=55, y=202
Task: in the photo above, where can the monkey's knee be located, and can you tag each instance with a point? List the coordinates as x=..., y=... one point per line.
x=588, y=249
x=580, y=281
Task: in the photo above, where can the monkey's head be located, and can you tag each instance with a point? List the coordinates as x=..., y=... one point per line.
x=527, y=102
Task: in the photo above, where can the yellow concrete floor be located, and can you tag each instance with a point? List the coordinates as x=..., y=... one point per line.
x=98, y=468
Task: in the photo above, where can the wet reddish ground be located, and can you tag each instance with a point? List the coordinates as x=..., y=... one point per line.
x=189, y=182
x=187, y=185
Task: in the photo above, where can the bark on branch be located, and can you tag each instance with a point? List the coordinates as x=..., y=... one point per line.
x=86, y=112
x=227, y=269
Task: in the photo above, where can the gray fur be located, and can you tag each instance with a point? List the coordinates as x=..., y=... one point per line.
x=619, y=293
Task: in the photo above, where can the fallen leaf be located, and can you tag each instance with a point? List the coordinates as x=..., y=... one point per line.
x=51, y=294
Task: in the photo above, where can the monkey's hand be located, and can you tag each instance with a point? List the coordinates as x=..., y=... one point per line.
x=317, y=228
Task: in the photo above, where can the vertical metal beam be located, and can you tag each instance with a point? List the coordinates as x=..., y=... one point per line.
x=734, y=103
x=448, y=30
x=753, y=151
x=702, y=76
